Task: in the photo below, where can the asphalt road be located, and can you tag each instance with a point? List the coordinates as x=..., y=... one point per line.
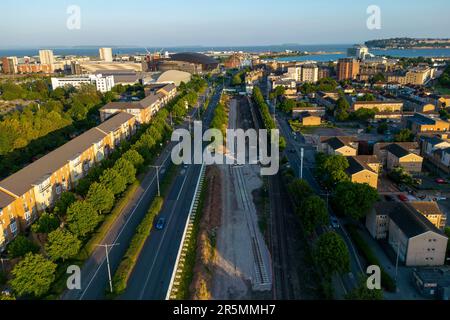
x=94, y=273
x=153, y=271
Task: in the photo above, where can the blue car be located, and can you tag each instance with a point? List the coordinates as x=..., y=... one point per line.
x=160, y=223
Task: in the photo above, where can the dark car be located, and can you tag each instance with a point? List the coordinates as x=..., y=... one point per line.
x=388, y=198
x=160, y=224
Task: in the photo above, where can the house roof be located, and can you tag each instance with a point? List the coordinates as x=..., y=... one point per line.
x=426, y=207
x=359, y=163
x=410, y=146
x=5, y=199
x=397, y=150
x=119, y=105
x=337, y=142
x=115, y=122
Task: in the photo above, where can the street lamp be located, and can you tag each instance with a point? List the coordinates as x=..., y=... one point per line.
x=106, y=246
x=157, y=178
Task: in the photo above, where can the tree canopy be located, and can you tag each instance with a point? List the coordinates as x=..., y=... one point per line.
x=62, y=244
x=332, y=253
x=82, y=218
x=100, y=197
x=354, y=199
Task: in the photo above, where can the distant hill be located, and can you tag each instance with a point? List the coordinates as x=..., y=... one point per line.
x=408, y=43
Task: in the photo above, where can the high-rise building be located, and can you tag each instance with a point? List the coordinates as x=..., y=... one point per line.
x=310, y=73
x=106, y=54
x=46, y=57
x=9, y=65
x=347, y=68
x=358, y=51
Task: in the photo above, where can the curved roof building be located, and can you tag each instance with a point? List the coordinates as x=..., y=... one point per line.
x=192, y=62
x=174, y=76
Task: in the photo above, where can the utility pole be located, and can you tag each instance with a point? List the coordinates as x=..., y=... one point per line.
x=106, y=246
x=302, y=152
x=157, y=178
x=396, y=260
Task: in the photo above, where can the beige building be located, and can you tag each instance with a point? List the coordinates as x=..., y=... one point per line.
x=381, y=106
x=398, y=156
x=418, y=75
x=379, y=149
x=420, y=123
x=105, y=54
x=431, y=211
x=342, y=145
x=307, y=118
x=363, y=169
x=417, y=241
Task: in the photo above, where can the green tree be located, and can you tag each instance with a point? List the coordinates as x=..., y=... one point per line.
x=46, y=223
x=82, y=218
x=405, y=135
x=67, y=198
x=100, y=197
x=287, y=105
x=331, y=168
x=114, y=181
x=332, y=254
x=313, y=212
x=354, y=199
x=236, y=80
x=299, y=189
x=382, y=128
x=126, y=169
x=400, y=176
x=62, y=245
x=20, y=246
x=33, y=275
x=362, y=292
x=135, y=158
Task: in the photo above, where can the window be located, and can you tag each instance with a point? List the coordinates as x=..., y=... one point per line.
x=27, y=216
x=13, y=227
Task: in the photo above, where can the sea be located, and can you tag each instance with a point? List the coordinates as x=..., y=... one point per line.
x=329, y=52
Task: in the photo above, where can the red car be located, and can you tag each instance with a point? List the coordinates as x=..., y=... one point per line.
x=440, y=181
x=402, y=197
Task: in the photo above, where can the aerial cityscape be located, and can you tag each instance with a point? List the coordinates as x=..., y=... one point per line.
x=163, y=163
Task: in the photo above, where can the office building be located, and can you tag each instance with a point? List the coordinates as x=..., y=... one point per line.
x=102, y=83
x=347, y=69
x=106, y=54
x=46, y=57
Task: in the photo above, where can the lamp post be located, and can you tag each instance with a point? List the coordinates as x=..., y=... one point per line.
x=106, y=246
x=157, y=178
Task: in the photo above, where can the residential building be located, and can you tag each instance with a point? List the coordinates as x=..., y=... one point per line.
x=420, y=123
x=381, y=106
x=34, y=68
x=9, y=65
x=431, y=211
x=379, y=149
x=398, y=156
x=310, y=73
x=347, y=69
x=342, y=145
x=358, y=51
x=363, y=169
x=26, y=193
x=102, y=83
x=410, y=234
x=105, y=54
x=46, y=58
x=308, y=118
x=419, y=75
x=437, y=151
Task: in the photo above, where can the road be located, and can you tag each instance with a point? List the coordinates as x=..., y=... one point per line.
x=94, y=274
x=153, y=271
x=348, y=281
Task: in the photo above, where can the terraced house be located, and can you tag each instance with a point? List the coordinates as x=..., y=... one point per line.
x=26, y=193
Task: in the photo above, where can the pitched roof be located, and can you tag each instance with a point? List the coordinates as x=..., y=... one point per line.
x=397, y=150
x=5, y=199
x=337, y=142
x=426, y=207
x=119, y=105
x=114, y=123
x=359, y=163
x=410, y=146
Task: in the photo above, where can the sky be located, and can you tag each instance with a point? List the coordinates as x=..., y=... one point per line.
x=40, y=23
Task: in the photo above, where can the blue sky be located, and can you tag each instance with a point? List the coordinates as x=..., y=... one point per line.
x=37, y=23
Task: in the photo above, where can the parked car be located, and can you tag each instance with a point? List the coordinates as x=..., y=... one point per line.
x=388, y=198
x=160, y=223
x=440, y=181
x=402, y=197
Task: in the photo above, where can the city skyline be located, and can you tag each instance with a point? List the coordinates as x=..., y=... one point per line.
x=254, y=23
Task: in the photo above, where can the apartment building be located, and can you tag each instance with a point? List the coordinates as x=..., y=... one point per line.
x=347, y=69
x=9, y=65
x=417, y=241
x=342, y=145
x=418, y=75
x=363, y=169
x=437, y=151
x=46, y=57
x=105, y=54
x=34, y=68
x=398, y=156
x=420, y=123
x=431, y=211
x=26, y=193
x=381, y=106
x=308, y=118
x=379, y=149
x=102, y=83
x=157, y=97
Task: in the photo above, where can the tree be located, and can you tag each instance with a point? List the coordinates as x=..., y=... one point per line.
x=126, y=169
x=405, y=135
x=33, y=275
x=400, y=176
x=82, y=218
x=62, y=245
x=20, y=246
x=332, y=253
x=100, y=197
x=299, y=190
x=362, y=292
x=382, y=128
x=367, y=97
x=135, y=158
x=46, y=223
x=313, y=212
x=287, y=105
x=236, y=80
x=331, y=168
x=67, y=198
x=114, y=181
x=354, y=199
